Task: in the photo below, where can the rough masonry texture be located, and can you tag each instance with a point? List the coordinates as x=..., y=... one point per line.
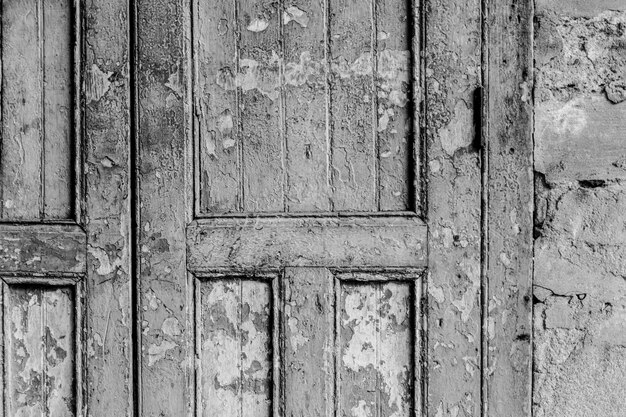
x=580, y=221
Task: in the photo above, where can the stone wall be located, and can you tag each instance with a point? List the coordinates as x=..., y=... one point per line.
x=580, y=219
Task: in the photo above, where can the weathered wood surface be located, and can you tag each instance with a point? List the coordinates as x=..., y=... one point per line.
x=376, y=342
x=108, y=318
x=453, y=74
x=234, y=348
x=583, y=139
x=39, y=352
x=37, y=161
x=308, y=342
x=42, y=249
x=273, y=243
x=304, y=107
x=507, y=349
x=165, y=290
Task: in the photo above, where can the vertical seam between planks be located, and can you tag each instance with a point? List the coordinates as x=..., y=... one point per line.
x=415, y=188
x=239, y=130
x=44, y=365
x=336, y=341
x=240, y=358
x=42, y=127
x=378, y=329
x=2, y=176
x=282, y=102
x=484, y=299
x=328, y=102
x=531, y=49
x=376, y=136
x=135, y=215
x=195, y=122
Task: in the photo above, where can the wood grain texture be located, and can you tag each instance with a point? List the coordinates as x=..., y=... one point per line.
x=395, y=110
x=352, y=101
x=22, y=112
x=58, y=106
x=216, y=106
x=43, y=249
x=37, y=170
x=509, y=197
x=582, y=139
x=165, y=289
x=452, y=75
x=108, y=340
x=39, y=334
x=272, y=243
x=309, y=342
x=306, y=91
x=235, y=373
x=261, y=113
x=376, y=345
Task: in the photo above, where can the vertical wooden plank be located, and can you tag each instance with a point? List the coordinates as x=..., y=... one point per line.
x=166, y=367
x=25, y=353
x=58, y=342
x=309, y=338
x=360, y=341
x=452, y=76
x=256, y=349
x=22, y=111
x=258, y=22
x=58, y=108
x=220, y=354
x=509, y=204
x=377, y=342
x=351, y=108
x=235, y=349
x=306, y=106
x=108, y=385
x=215, y=61
x=395, y=110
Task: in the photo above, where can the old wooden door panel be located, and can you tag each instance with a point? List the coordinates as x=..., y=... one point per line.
x=66, y=343
x=303, y=108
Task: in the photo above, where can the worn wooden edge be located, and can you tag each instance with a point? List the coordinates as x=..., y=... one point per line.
x=275, y=243
x=508, y=190
x=43, y=248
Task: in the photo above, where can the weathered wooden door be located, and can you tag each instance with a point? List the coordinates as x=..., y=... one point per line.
x=264, y=208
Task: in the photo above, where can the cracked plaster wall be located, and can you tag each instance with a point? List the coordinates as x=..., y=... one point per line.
x=580, y=219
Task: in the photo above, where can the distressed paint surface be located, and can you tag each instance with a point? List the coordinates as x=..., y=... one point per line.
x=309, y=345
x=271, y=243
x=39, y=349
x=452, y=76
x=166, y=362
x=107, y=350
x=37, y=168
x=235, y=349
x=303, y=133
x=376, y=353
x=508, y=263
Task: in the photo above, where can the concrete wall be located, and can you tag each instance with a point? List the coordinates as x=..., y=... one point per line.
x=580, y=220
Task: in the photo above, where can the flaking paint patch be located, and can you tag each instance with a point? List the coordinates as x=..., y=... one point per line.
x=385, y=318
x=97, y=84
x=294, y=14
x=158, y=352
x=105, y=266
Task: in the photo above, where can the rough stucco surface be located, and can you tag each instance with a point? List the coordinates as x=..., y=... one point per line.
x=580, y=221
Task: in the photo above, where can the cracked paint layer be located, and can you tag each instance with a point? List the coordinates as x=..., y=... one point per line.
x=235, y=358
x=41, y=352
x=376, y=350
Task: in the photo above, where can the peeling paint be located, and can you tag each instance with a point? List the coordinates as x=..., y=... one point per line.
x=97, y=84
x=292, y=13
x=158, y=352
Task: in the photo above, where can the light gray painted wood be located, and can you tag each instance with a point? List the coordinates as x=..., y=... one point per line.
x=235, y=335
x=39, y=333
x=275, y=243
x=508, y=262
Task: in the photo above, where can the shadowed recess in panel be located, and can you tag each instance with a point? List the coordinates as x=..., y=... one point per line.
x=234, y=337
x=376, y=338
x=304, y=106
x=39, y=351
x=36, y=170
